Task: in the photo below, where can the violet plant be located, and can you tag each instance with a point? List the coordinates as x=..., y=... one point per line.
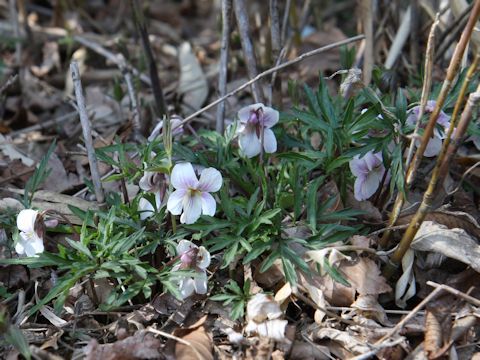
x=210, y=202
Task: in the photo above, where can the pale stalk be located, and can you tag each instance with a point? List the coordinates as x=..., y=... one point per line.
x=439, y=172
x=446, y=86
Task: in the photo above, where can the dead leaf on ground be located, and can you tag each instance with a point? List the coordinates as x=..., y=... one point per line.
x=453, y=243
x=200, y=342
x=365, y=276
x=140, y=346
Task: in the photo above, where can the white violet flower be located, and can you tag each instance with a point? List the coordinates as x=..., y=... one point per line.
x=194, y=258
x=254, y=120
x=31, y=229
x=192, y=196
x=369, y=171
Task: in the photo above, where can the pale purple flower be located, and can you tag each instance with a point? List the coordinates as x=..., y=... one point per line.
x=194, y=258
x=369, y=171
x=153, y=182
x=253, y=120
x=177, y=128
x=30, y=241
x=435, y=144
x=192, y=196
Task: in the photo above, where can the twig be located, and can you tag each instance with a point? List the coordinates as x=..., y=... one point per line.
x=274, y=87
x=286, y=13
x=458, y=293
x=133, y=104
x=8, y=83
x=271, y=71
x=441, y=167
x=87, y=132
x=412, y=313
x=414, y=24
x=465, y=174
x=400, y=39
x=176, y=338
x=427, y=82
x=222, y=78
x=152, y=65
x=241, y=15
x=366, y=7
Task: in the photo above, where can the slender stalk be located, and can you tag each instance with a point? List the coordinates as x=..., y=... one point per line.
x=367, y=17
x=222, y=78
x=87, y=132
x=133, y=105
x=439, y=172
x=241, y=15
x=446, y=86
x=160, y=103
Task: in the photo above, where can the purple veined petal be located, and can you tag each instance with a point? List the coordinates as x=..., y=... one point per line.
x=158, y=199
x=200, y=282
x=183, y=177
x=51, y=223
x=412, y=118
x=184, y=246
x=444, y=120
x=433, y=147
x=358, y=167
x=26, y=220
x=249, y=143
x=209, y=206
x=145, y=208
x=175, y=201
x=245, y=112
x=187, y=287
x=210, y=180
x=203, y=258
x=270, y=117
x=192, y=208
x=269, y=141
x=177, y=127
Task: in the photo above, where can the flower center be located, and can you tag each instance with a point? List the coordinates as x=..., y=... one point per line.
x=192, y=192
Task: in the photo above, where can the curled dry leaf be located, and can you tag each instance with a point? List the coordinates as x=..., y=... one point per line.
x=263, y=316
x=453, y=243
x=365, y=277
x=368, y=306
x=347, y=340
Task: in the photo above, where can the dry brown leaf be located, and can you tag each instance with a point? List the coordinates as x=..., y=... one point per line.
x=200, y=342
x=347, y=340
x=140, y=346
x=193, y=82
x=307, y=351
x=365, y=277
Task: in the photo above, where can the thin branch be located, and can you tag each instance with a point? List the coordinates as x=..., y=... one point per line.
x=283, y=36
x=271, y=71
x=241, y=15
x=223, y=71
x=8, y=83
x=458, y=293
x=152, y=65
x=87, y=132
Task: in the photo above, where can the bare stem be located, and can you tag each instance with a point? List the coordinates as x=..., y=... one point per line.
x=222, y=78
x=152, y=65
x=244, y=28
x=133, y=104
x=87, y=132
